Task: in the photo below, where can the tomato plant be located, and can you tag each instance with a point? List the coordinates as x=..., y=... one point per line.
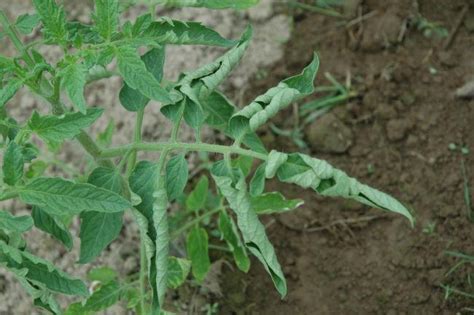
x=119, y=181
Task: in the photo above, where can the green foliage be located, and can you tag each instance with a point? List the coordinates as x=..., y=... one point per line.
x=198, y=252
x=219, y=215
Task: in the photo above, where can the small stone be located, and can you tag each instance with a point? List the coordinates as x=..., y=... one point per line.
x=329, y=134
x=397, y=129
x=385, y=111
x=466, y=91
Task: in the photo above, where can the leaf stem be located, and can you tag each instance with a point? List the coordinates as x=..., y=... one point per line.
x=167, y=146
x=193, y=222
x=137, y=138
x=93, y=149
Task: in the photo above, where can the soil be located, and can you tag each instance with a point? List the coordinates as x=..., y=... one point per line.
x=342, y=258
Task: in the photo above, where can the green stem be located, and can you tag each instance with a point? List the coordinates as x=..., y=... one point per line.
x=193, y=222
x=220, y=248
x=142, y=279
x=167, y=146
x=93, y=149
x=137, y=138
x=10, y=30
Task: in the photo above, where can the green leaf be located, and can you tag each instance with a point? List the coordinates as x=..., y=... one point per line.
x=106, y=17
x=199, y=84
x=41, y=296
x=159, y=274
x=244, y=163
x=193, y=115
x=198, y=252
x=41, y=271
x=219, y=110
x=74, y=78
x=142, y=182
x=11, y=223
x=102, y=274
x=107, y=295
x=277, y=98
x=274, y=203
x=25, y=23
x=230, y=234
x=13, y=163
x=178, y=270
x=99, y=229
x=211, y=4
x=252, y=229
x=167, y=31
x=197, y=198
x=55, y=129
x=257, y=183
x=176, y=176
x=53, y=18
x=104, y=138
x=136, y=75
x=320, y=176
x=154, y=61
x=52, y=226
x=58, y=196
x=9, y=90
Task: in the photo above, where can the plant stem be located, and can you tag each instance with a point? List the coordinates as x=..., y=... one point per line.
x=142, y=279
x=167, y=146
x=93, y=149
x=9, y=194
x=193, y=222
x=10, y=30
x=137, y=138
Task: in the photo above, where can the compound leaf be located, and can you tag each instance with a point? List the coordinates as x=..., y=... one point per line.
x=11, y=223
x=54, y=129
x=198, y=252
x=58, y=196
x=99, y=229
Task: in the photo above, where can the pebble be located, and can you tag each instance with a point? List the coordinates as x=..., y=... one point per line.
x=466, y=91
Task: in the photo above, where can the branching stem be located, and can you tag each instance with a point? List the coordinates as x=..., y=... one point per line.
x=167, y=146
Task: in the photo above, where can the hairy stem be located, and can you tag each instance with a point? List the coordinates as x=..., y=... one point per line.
x=167, y=146
x=11, y=32
x=137, y=138
x=93, y=149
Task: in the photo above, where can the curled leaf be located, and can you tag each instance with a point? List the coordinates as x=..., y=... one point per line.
x=309, y=172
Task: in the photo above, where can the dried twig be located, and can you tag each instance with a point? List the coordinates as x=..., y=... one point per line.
x=455, y=29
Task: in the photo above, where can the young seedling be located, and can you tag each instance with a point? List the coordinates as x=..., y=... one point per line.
x=225, y=202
